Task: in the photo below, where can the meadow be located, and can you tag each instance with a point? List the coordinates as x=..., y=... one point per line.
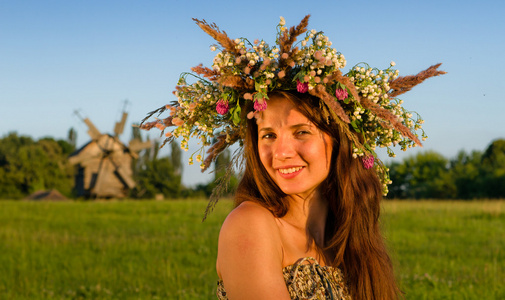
x=162, y=250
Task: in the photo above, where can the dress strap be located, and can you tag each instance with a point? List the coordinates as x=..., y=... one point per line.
x=317, y=270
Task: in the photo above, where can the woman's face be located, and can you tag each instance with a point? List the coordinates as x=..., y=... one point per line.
x=292, y=149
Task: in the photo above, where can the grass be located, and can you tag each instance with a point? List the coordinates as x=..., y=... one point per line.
x=162, y=250
x=448, y=250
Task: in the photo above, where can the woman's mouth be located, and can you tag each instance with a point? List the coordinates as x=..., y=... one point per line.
x=290, y=170
x=288, y=173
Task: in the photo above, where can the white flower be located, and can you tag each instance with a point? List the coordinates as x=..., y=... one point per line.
x=304, y=43
x=393, y=63
x=213, y=48
x=282, y=22
x=237, y=41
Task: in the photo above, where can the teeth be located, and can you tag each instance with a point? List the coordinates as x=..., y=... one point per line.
x=290, y=170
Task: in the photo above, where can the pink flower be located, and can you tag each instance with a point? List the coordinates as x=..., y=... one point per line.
x=302, y=87
x=260, y=105
x=222, y=107
x=341, y=94
x=368, y=161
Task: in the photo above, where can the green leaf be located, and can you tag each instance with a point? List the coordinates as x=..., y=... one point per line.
x=235, y=114
x=367, y=147
x=257, y=85
x=355, y=125
x=299, y=76
x=259, y=95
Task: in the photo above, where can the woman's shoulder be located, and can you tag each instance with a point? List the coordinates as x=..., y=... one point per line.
x=250, y=218
x=250, y=233
x=250, y=251
x=252, y=211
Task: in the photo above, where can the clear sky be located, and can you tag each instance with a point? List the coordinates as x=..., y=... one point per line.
x=60, y=56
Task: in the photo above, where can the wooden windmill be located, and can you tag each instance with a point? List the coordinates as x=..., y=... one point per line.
x=105, y=163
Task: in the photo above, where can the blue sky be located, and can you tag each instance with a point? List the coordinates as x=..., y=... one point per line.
x=60, y=56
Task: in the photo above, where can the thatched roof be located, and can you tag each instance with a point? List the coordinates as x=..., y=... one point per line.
x=47, y=195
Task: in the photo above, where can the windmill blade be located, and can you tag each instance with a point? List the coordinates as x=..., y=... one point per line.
x=119, y=127
x=93, y=132
x=83, y=157
x=88, y=153
x=124, y=177
x=96, y=183
x=137, y=145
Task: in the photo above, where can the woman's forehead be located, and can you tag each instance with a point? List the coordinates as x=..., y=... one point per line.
x=281, y=112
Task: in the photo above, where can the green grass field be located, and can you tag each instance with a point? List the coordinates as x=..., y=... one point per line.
x=162, y=250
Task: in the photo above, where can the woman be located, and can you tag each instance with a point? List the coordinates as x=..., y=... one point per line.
x=306, y=221
x=302, y=195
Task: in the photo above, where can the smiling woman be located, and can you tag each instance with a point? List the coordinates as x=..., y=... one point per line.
x=306, y=218
x=301, y=196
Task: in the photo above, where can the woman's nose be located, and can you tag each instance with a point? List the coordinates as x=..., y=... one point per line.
x=284, y=148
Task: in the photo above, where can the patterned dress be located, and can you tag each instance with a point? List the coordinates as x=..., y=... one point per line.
x=306, y=279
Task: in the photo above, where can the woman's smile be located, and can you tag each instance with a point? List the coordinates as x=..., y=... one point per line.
x=291, y=170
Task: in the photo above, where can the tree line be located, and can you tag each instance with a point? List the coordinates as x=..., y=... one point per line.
x=429, y=175
x=28, y=165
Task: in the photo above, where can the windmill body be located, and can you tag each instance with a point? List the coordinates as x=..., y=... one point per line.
x=104, y=165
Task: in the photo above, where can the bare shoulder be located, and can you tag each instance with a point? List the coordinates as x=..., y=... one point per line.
x=249, y=257
x=249, y=213
x=249, y=224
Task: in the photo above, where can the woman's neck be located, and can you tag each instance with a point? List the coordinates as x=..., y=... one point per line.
x=308, y=214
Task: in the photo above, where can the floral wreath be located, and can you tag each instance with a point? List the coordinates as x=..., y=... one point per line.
x=362, y=102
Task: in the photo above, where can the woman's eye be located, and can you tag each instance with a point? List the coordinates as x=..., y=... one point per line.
x=268, y=136
x=302, y=132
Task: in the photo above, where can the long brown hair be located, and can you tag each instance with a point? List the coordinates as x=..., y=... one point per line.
x=352, y=233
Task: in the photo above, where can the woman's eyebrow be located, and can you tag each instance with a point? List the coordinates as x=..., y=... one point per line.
x=295, y=126
x=265, y=129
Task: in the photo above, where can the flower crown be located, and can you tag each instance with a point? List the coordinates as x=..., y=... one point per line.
x=363, y=102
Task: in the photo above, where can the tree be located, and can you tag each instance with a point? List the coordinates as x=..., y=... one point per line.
x=466, y=172
x=425, y=175
x=158, y=177
x=72, y=137
x=225, y=179
x=493, y=169
x=176, y=157
x=27, y=166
